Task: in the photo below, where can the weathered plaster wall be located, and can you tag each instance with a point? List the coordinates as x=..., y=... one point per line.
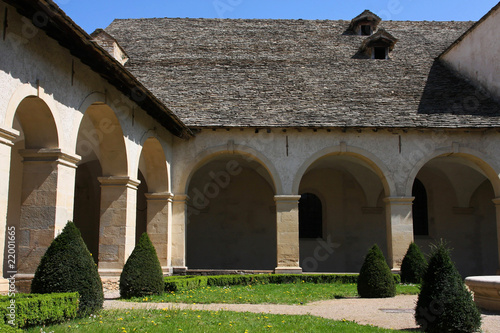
x=477, y=56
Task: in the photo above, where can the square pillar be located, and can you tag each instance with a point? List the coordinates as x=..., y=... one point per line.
x=7, y=138
x=287, y=231
x=159, y=226
x=117, y=224
x=399, y=228
x=47, y=197
x=496, y=201
x=179, y=224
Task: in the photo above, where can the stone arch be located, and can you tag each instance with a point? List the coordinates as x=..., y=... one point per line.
x=100, y=136
x=37, y=123
x=461, y=184
x=374, y=162
x=477, y=158
x=153, y=165
x=350, y=182
x=153, y=198
x=248, y=153
x=39, y=172
x=103, y=202
x=231, y=214
x=27, y=91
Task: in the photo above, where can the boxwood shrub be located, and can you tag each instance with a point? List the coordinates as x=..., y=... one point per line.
x=67, y=266
x=176, y=283
x=375, y=278
x=37, y=309
x=142, y=274
x=444, y=303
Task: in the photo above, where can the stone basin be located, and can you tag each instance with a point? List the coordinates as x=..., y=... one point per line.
x=486, y=291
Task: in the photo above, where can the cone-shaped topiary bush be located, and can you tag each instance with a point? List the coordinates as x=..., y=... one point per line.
x=375, y=279
x=413, y=265
x=142, y=274
x=67, y=266
x=444, y=304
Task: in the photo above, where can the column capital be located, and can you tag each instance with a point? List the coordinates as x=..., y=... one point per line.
x=116, y=181
x=180, y=198
x=496, y=201
x=287, y=198
x=8, y=135
x=399, y=200
x=163, y=196
x=50, y=155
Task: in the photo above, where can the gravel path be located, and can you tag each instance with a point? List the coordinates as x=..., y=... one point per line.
x=396, y=313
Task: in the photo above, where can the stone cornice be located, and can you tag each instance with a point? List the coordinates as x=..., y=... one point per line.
x=399, y=200
x=165, y=196
x=49, y=155
x=116, y=181
x=287, y=198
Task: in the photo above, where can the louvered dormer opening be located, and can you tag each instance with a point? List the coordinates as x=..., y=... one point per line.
x=365, y=24
x=378, y=45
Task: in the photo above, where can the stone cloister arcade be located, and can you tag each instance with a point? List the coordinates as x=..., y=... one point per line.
x=235, y=206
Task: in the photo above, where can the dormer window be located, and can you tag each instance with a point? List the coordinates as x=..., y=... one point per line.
x=380, y=52
x=365, y=30
x=378, y=45
x=364, y=24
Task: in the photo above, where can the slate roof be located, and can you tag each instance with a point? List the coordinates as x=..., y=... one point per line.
x=301, y=73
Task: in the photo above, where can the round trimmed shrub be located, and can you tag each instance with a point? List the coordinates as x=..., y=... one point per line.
x=444, y=303
x=375, y=279
x=413, y=265
x=67, y=266
x=142, y=274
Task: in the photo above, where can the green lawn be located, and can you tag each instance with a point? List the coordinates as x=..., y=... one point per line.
x=202, y=321
x=300, y=293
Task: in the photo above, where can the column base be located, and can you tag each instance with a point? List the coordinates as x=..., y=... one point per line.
x=109, y=273
x=167, y=270
x=23, y=283
x=288, y=270
x=396, y=270
x=179, y=270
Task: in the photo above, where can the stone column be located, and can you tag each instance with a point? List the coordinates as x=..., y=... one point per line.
x=158, y=225
x=117, y=224
x=287, y=231
x=7, y=138
x=179, y=224
x=47, y=197
x=399, y=228
x=496, y=201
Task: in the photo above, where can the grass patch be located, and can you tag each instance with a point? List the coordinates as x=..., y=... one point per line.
x=291, y=293
x=203, y=321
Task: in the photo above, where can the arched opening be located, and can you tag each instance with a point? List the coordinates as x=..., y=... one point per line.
x=231, y=216
x=461, y=212
x=33, y=183
x=153, y=198
x=100, y=144
x=88, y=204
x=420, y=210
x=351, y=195
x=310, y=216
